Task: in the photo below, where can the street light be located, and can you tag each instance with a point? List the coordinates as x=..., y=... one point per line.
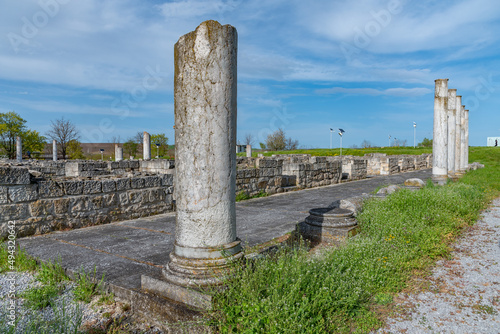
x=331, y=132
x=102, y=154
x=341, y=132
x=414, y=134
x=157, y=150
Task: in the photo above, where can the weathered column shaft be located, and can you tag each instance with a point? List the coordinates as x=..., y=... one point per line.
x=452, y=113
x=463, y=162
x=440, y=137
x=466, y=139
x=118, y=153
x=19, y=149
x=54, y=150
x=146, y=146
x=205, y=153
x=249, y=151
x=458, y=143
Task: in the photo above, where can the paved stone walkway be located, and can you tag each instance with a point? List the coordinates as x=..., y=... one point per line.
x=124, y=251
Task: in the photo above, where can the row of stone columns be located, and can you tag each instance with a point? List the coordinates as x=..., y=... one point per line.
x=451, y=134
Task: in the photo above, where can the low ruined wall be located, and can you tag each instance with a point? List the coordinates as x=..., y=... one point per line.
x=40, y=206
x=262, y=175
x=354, y=168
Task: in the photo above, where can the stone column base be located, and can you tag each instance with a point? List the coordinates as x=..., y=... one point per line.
x=439, y=179
x=191, y=270
x=330, y=226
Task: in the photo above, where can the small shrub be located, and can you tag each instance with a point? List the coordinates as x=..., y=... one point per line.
x=86, y=287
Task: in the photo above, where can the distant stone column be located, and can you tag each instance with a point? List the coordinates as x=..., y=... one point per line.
x=118, y=153
x=54, y=150
x=249, y=151
x=452, y=113
x=205, y=154
x=146, y=146
x=440, y=137
x=466, y=160
x=463, y=161
x=19, y=149
x=458, y=143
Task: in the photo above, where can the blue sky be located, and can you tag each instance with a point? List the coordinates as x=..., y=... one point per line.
x=305, y=66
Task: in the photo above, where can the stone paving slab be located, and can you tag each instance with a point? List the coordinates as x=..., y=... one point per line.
x=124, y=251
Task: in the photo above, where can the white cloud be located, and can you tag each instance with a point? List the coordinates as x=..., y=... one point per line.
x=194, y=8
x=376, y=92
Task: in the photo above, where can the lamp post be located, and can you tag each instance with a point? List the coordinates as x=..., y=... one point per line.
x=331, y=132
x=341, y=132
x=414, y=134
x=157, y=150
x=102, y=154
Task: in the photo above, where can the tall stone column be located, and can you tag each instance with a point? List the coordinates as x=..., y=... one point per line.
x=452, y=113
x=463, y=161
x=466, y=160
x=205, y=154
x=249, y=151
x=205, y=161
x=146, y=146
x=458, y=143
x=440, y=137
x=118, y=153
x=54, y=150
x=19, y=149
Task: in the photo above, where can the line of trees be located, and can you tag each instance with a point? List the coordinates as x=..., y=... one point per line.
x=66, y=135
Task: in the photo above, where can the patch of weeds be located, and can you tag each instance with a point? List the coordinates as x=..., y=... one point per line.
x=484, y=309
x=242, y=195
x=383, y=298
x=87, y=286
x=51, y=273
x=40, y=297
x=106, y=298
x=21, y=260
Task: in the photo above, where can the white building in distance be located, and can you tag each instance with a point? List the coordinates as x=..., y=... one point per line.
x=493, y=141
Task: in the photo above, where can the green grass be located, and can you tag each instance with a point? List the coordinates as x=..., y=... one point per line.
x=487, y=178
x=348, y=151
x=340, y=292
x=21, y=260
x=242, y=196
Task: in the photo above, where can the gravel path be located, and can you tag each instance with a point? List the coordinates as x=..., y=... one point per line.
x=464, y=292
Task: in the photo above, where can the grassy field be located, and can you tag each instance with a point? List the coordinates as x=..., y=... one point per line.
x=346, y=290
x=348, y=151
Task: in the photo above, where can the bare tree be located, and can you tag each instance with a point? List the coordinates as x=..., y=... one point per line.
x=291, y=144
x=366, y=144
x=248, y=139
x=115, y=140
x=63, y=131
x=138, y=137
